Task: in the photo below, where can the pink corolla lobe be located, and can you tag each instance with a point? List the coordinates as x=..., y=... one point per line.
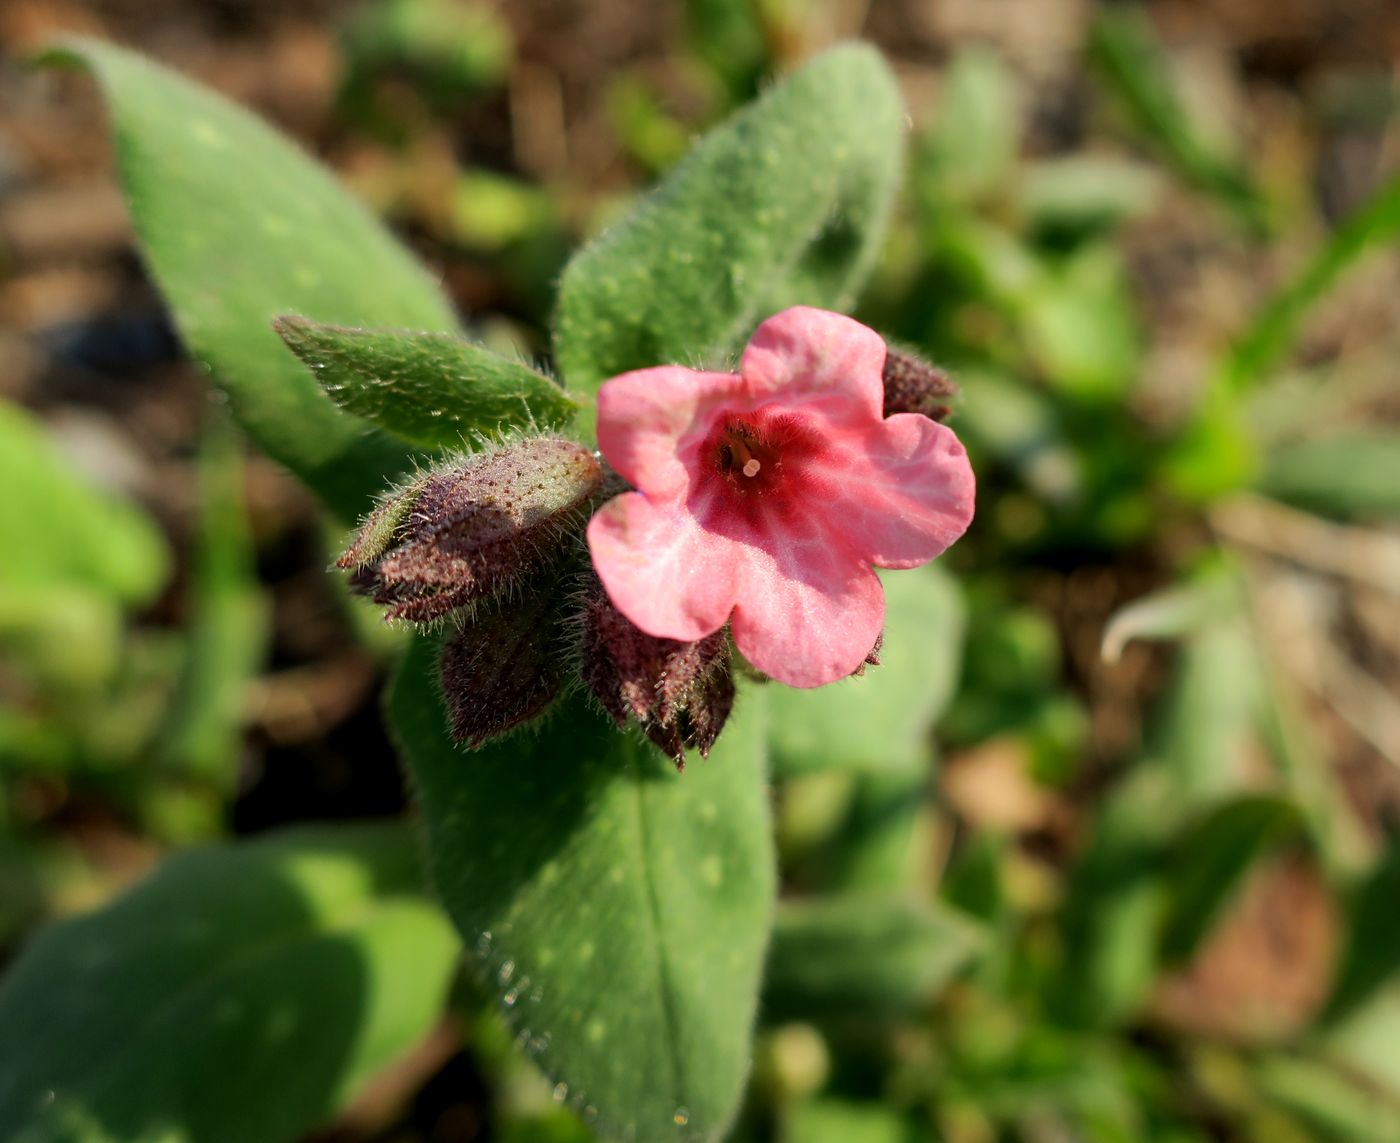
x=765, y=498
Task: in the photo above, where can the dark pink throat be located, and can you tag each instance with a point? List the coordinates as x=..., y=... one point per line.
x=762, y=457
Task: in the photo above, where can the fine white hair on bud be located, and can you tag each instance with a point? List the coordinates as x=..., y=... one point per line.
x=471, y=530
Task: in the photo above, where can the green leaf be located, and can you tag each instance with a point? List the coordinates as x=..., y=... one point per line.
x=1080, y=326
x=785, y=203
x=973, y=142
x=1132, y=63
x=434, y=389
x=1114, y=902
x=240, y=992
x=228, y=625
x=447, y=51
x=882, y=720
x=617, y=909
x=1364, y=1042
x=863, y=956
x=1213, y=859
x=842, y=1121
x=885, y=839
x=239, y=226
x=1210, y=720
x=1274, y=330
x=1021, y=427
x=1082, y=194
x=1371, y=954
x=60, y=531
x=1171, y=613
x=1337, y=1105
x=1349, y=474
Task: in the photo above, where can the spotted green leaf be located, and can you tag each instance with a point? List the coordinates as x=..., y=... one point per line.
x=239, y=226
x=785, y=203
x=618, y=910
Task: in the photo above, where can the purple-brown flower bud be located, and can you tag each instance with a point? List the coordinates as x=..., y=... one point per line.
x=467, y=533
x=680, y=693
x=914, y=386
x=504, y=666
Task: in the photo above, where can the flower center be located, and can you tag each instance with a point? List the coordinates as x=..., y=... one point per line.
x=762, y=454
x=766, y=466
x=741, y=452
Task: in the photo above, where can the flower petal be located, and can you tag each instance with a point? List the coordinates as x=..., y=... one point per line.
x=902, y=493
x=808, y=613
x=813, y=354
x=644, y=416
x=662, y=570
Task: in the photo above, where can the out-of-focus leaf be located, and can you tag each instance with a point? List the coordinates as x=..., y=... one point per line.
x=1013, y=662
x=1339, y=1107
x=618, y=910
x=1080, y=327
x=1364, y=1042
x=491, y=211
x=296, y=965
x=1171, y=613
x=1021, y=427
x=785, y=203
x=1217, y=454
x=1114, y=902
x=239, y=226
x=881, y=720
x=1207, y=728
x=885, y=840
x=1275, y=327
x=228, y=626
x=37, y=877
x=60, y=532
x=991, y=259
x=451, y=47
x=1371, y=953
x=61, y=636
x=1212, y=861
x=863, y=957
x=728, y=37
x=973, y=142
x=1350, y=474
x=1131, y=61
x=653, y=138
x=1079, y=195
x=840, y=1121
x=434, y=389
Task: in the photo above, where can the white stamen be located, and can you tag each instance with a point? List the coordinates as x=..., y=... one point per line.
x=751, y=468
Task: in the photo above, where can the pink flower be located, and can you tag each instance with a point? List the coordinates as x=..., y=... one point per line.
x=765, y=498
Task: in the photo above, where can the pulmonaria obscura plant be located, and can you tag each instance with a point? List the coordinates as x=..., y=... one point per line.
x=726, y=526
x=762, y=501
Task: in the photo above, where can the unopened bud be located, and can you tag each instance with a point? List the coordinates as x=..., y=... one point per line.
x=914, y=386
x=680, y=693
x=504, y=666
x=467, y=533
